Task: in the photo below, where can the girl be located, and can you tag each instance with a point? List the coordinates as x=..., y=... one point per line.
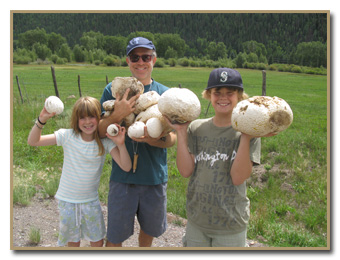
x=219, y=160
x=84, y=156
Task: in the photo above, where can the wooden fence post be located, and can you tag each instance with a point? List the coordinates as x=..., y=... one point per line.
x=264, y=87
x=54, y=82
x=22, y=100
x=79, y=85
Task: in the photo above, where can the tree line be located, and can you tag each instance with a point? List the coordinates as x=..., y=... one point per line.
x=201, y=38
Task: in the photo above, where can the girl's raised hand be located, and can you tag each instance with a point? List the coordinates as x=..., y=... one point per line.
x=44, y=115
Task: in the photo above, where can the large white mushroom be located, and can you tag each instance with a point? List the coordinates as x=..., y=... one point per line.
x=136, y=130
x=121, y=84
x=146, y=100
x=179, y=105
x=155, y=127
x=53, y=104
x=112, y=130
x=261, y=115
x=109, y=105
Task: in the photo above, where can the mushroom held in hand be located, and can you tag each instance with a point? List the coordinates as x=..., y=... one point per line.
x=136, y=130
x=261, y=115
x=54, y=105
x=109, y=105
x=146, y=100
x=179, y=105
x=154, y=127
x=112, y=130
x=121, y=84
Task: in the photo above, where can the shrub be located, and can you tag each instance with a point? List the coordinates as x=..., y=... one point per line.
x=60, y=60
x=172, y=62
x=261, y=66
x=283, y=67
x=272, y=67
x=193, y=63
x=170, y=53
x=112, y=60
x=209, y=63
x=159, y=63
x=54, y=58
x=249, y=65
x=123, y=62
x=99, y=54
x=183, y=62
x=296, y=69
x=21, y=59
x=240, y=59
x=23, y=56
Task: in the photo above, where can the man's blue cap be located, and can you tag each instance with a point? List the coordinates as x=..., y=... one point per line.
x=139, y=42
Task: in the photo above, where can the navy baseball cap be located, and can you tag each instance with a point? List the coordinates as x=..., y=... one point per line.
x=224, y=77
x=139, y=42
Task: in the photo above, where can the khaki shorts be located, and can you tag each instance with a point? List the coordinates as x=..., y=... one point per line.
x=194, y=237
x=80, y=221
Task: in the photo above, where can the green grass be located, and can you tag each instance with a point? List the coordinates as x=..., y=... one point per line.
x=289, y=199
x=34, y=236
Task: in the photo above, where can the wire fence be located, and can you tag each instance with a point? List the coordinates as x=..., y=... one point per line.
x=44, y=82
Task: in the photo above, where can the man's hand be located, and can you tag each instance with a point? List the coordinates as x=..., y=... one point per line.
x=124, y=107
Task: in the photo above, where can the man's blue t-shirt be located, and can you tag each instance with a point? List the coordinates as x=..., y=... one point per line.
x=152, y=161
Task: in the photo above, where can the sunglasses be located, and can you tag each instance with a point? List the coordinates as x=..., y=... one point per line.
x=145, y=58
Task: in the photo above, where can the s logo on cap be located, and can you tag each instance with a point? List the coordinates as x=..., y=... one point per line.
x=224, y=76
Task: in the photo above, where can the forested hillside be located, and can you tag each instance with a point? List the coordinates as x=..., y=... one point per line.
x=251, y=40
x=287, y=29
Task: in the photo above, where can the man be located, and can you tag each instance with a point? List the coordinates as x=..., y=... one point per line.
x=143, y=192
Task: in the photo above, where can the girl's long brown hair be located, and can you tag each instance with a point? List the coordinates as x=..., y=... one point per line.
x=84, y=107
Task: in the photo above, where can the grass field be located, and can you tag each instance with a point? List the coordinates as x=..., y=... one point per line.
x=288, y=192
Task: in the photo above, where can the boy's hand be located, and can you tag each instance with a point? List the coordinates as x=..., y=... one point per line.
x=267, y=135
x=178, y=127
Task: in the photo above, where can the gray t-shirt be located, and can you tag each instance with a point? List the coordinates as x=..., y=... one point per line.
x=214, y=204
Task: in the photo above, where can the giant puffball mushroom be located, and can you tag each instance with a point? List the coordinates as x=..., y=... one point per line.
x=146, y=100
x=150, y=112
x=112, y=130
x=109, y=105
x=54, y=105
x=154, y=127
x=261, y=115
x=153, y=112
x=129, y=119
x=107, y=114
x=121, y=84
x=136, y=130
x=179, y=105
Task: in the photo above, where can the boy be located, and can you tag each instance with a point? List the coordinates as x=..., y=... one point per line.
x=219, y=160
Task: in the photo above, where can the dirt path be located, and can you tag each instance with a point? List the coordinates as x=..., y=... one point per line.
x=43, y=214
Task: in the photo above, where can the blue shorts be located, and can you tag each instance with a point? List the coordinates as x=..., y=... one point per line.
x=80, y=221
x=125, y=201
